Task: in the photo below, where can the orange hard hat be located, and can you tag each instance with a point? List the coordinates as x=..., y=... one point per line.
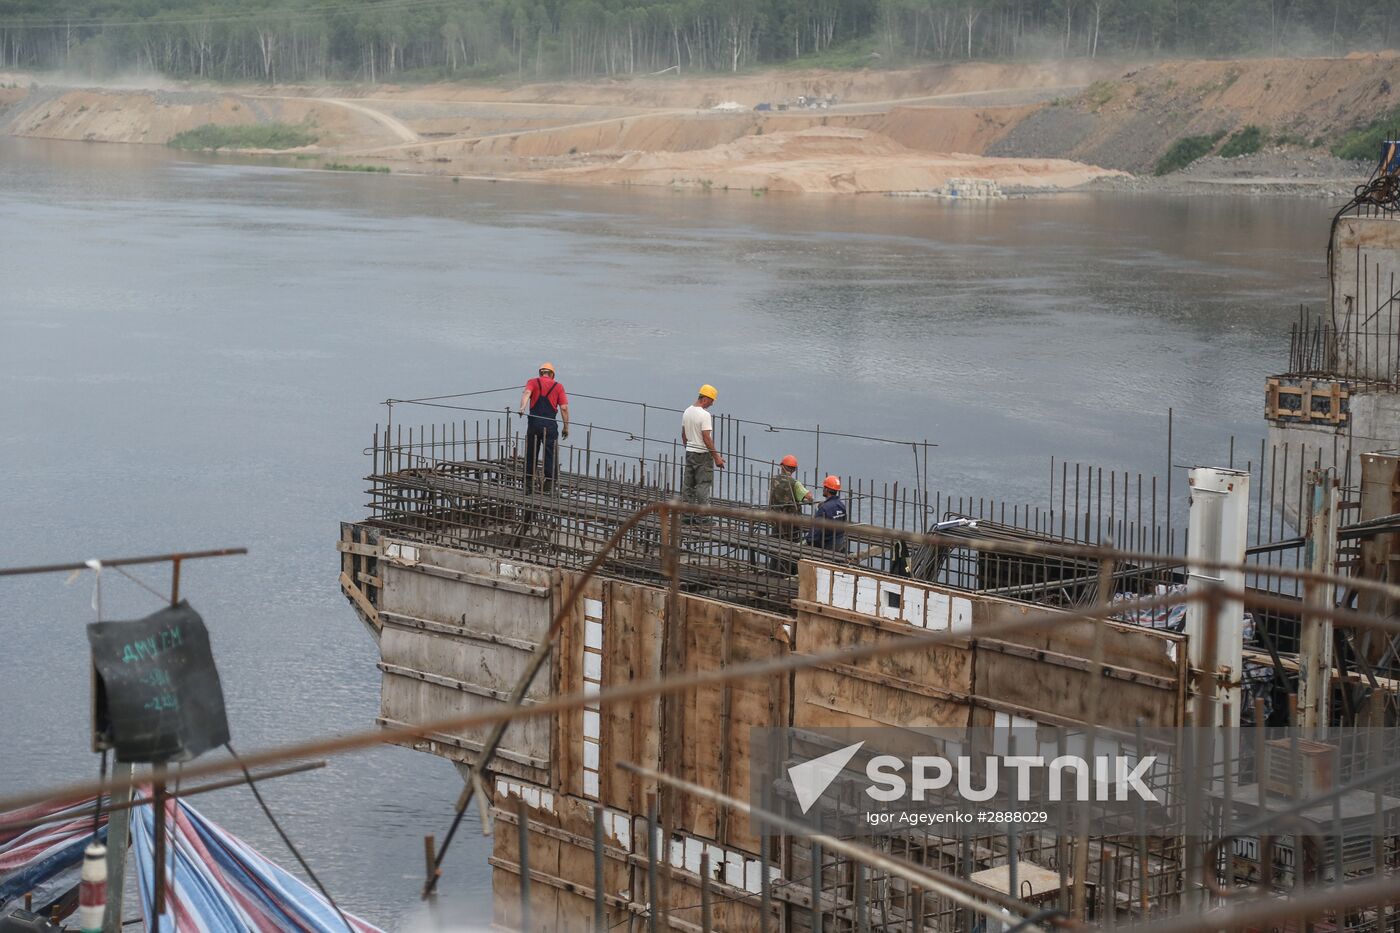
x=832, y=483
x=790, y=460
x=548, y=366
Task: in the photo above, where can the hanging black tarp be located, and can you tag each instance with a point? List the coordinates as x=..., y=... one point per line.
x=158, y=696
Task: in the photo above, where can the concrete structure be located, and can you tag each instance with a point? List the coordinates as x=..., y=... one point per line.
x=479, y=593
x=1340, y=398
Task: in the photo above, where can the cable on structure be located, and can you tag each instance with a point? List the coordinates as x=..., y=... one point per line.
x=144, y=585
x=174, y=831
x=97, y=802
x=286, y=840
x=1381, y=190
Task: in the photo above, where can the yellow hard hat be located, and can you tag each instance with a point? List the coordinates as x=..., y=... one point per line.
x=708, y=391
x=548, y=366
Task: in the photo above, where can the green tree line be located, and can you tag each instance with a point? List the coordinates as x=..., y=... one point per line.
x=388, y=40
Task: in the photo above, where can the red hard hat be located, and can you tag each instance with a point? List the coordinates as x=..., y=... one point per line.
x=790, y=460
x=832, y=483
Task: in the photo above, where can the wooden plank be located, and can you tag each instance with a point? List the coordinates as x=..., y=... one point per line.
x=477, y=579
x=451, y=683
x=1130, y=647
x=948, y=663
x=834, y=700
x=1036, y=687
x=455, y=631
x=363, y=550
x=361, y=601
x=889, y=626
x=695, y=730
x=557, y=741
x=926, y=690
x=460, y=743
x=1079, y=664
x=726, y=716
x=568, y=669
x=483, y=662
x=561, y=856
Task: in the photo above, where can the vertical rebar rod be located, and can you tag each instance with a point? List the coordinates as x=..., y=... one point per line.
x=765, y=894
x=652, y=899
x=1171, y=419
x=706, y=907
x=522, y=821
x=599, y=897
x=858, y=894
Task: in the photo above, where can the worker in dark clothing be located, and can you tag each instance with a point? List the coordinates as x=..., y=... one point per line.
x=543, y=398
x=832, y=509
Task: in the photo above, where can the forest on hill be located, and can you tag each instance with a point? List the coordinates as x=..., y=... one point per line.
x=398, y=40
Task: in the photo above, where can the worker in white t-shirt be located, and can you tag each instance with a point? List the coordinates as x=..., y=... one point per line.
x=701, y=457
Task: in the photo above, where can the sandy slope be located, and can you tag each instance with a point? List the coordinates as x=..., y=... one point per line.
x=824, y=159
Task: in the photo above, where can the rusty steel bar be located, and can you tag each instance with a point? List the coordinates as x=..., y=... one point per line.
x=522, y=821
x=599, y=896
x=179, y=793
x=124, y=562
x=983, y=900
x=706, y=908
x=1002, y=545
x=1378, y=892
x=631, y=691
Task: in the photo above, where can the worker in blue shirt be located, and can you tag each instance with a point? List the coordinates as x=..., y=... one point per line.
x=832, y=509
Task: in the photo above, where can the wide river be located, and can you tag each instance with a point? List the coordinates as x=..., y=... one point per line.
x=192, y=354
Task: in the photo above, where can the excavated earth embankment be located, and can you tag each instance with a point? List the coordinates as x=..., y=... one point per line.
x=1047, y=124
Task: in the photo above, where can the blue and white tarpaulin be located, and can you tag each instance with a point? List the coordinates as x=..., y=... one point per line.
x=218, y=884
x=32, y=858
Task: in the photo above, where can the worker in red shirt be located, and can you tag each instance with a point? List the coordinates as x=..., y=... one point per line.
x=543, y=398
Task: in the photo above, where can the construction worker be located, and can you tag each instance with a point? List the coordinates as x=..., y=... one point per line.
x=786, y=494
x=701, y=457
x=833, y=510
x=543, y=397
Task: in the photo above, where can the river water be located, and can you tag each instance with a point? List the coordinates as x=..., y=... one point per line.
x=192, y=354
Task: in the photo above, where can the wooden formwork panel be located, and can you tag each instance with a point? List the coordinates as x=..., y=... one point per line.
x=612, y=636
x=457, y=634
x=1307, y=400
x=561, y=863
x=359, y=571
x=632, y=732
x=1047, y=673
x=842, y=608
x=1380, y=496
x=707, y=742
x=560, y=857
x=718, y=719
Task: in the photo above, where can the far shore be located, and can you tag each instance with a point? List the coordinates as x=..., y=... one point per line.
x=1027, y=128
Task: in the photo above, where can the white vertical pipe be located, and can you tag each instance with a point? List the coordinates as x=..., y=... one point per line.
x=1219, y=524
